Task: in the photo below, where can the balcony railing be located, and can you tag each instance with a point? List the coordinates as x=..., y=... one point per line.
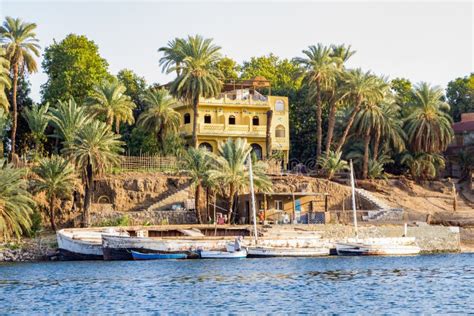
x=226, y=100
x=234, y=130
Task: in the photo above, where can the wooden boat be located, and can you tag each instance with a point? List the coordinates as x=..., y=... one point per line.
x=363, y=249
x=210, y=254
x=260, y=251
x=83, y=244
x=154, y=256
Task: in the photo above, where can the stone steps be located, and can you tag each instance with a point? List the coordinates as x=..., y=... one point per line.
x=177, y=195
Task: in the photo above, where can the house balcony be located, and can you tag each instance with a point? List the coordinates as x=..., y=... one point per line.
x=227, y=130
x=226, y=100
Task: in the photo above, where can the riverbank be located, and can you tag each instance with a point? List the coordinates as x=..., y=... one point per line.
x=35, y=249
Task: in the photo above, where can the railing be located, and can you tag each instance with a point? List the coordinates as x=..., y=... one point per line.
x=149, y=162
x=223, y=129
x=227, y=100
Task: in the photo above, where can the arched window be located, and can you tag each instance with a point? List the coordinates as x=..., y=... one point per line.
x=231, y=120
x=279, y=106
x=280, y=131
x=187, y=118
x=255, y=121
x=206, y=146
x=257, y=150
x=207, y=119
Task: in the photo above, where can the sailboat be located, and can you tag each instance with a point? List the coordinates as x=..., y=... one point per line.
x=374, y=246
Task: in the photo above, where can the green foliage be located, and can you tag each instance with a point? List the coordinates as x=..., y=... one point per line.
x=68, y=118
x=56, y=177
x=36, y=224
x=423, y=166
x=108, y=99
x=119, y=221
x=428, y=127
x=73, y=67
x=282, y=73
x=37, y=118
x=16, y=203
x=460, y=96
x=5, y=82
x=228, y=68
x=331, y=163
x=159, y=118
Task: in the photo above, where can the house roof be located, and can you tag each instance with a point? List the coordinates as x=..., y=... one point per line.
x=466, y=126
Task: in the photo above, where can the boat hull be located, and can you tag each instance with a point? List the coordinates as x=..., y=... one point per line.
x=262, y=252
x=209, y=254
x=74, y=249
x=157, y=256
x=361, y=249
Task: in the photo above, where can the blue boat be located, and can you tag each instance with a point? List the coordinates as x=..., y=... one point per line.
x=154, y=256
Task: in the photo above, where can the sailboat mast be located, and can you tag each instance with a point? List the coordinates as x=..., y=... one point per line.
x=252, y=197
x=354, y=213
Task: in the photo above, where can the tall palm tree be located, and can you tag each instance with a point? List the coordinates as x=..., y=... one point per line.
x=159, y=116
x=67, y=117
x=196, y=164
x=109, y=99
x=37, y=118
x=428, y=127
x=320, y=73
x=332, y=163
x=16, y=203
x=360, y=87
x=56, y=177
x=5, y=82
x=173, y=55
x=335, y=94
x=199, y=76
x=229, y=171
x=21, y=45
x=392, y=130
x=94, y=150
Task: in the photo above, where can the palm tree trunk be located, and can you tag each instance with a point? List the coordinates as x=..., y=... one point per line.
x=117, y=126
x=88, y=195
x=15, y=108
x=195, y=120
x=319, y=120
x=268, y=140
x=365, y=168
x=231, y=203
x=342, y=141
x=331, y=125
x=207, y=205
x=197, y=206
x=376, y=144
x=51, y=212
x=110, y=121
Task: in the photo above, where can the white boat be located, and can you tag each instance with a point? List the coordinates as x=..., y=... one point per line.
x=83, y=244
x=261, y=251
x=374, y=246
x=210, y=254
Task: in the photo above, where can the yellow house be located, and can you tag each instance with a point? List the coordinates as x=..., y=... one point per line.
x=241, y=111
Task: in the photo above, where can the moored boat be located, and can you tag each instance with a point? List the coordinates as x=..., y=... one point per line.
x=378, y=247
x=211, y=254
x=260, y=251
x=155, y=256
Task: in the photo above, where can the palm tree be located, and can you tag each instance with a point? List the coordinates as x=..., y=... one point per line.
x=4, y=121
x=94, y=150
x=335, y=93
x=422, y=165
x=361, y=88
x=68, y=118
x=428, y=127
x=196, y=164
x=230, y=173
x=37, y=118
x=173, y=55
x=109, y=99
x=16, y=203
x=159, y=117
x=392, y=129
x=332, y=163
x=56, y=177
x=5, y=82
x=199, y=76
x=320, y=73
x=21, y=45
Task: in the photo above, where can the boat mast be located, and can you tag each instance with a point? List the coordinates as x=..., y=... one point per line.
x=252, y=197
x=354, y=213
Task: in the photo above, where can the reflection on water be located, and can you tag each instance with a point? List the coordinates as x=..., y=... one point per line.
x=431, y=284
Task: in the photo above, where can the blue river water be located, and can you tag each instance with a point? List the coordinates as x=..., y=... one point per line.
x=422, y=284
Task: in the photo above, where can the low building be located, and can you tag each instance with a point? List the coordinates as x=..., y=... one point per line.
x=463, y=141
x=241, y=111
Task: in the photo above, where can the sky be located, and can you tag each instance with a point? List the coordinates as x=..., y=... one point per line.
x=421, y=41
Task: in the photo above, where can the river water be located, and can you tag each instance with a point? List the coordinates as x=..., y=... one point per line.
x=429, y=284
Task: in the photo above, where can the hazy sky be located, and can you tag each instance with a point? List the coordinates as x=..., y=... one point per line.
x=422, y=41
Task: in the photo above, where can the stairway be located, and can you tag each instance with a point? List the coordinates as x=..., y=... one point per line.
x=366, y=195
x=178, y=195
